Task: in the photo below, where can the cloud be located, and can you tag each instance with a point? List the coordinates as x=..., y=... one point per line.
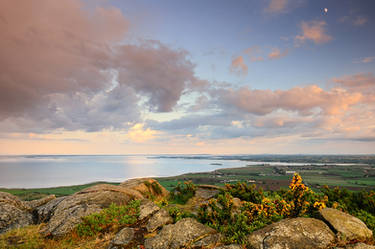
x=262, y=102
x=156, y=71
x=360, y=21
x=277, y=54
x=354, y=20
x=138, y=134
x=276, y=6
x=314, y=31
x=65, y=66
x=365, y=59
x=238, y=66
x=253, y=52
x=362, y=82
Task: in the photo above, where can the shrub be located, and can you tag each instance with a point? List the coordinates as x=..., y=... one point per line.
x=258, y=208
x=109, y=219
x=183, y=192
x=178, y=214
x=245, y=192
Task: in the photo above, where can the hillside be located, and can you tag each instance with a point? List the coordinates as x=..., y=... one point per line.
x=140, y=213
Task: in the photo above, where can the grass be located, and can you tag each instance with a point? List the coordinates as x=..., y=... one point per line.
x=36, y=193
x=30, y=238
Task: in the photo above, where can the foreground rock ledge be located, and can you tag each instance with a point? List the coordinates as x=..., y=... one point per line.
x=297, y=233
x=66, y=213
x=348, y=227
x=179, y=235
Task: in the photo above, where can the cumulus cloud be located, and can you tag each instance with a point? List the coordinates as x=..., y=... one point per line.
x=238, y=66
x=314, y=31
x=362, y=82
x=277, y=54
x=65, y=66
x=262, y=102
x=156, y=71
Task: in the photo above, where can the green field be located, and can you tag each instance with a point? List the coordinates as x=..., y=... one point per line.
x=358, y=176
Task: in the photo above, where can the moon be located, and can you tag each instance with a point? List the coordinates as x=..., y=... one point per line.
x=325, y=10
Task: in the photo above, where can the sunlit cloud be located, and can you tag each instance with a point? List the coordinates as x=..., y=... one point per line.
x=139, y=134
x=277, y=54
x=276, y=6
x=238, y=66
x=314, y=31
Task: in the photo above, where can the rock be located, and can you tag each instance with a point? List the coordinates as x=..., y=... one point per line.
x=45, y=212
x=297, y=233
x=182, y=234
x=159, y=219
x=146, y=186
x=348, y=227
x=37, y=203
x=67, y=213
x=360, y=246
x=232, y=246
x=237, y=203
x=147, y=209
x=208, y=242
x=206, y=192
x=123, y=238
x=13, y=213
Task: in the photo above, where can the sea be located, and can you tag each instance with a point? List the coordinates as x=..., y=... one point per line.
x=41, y=171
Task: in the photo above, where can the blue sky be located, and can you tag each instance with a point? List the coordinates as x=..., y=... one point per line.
x=119, y=77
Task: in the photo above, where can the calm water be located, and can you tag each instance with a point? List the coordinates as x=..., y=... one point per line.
x=50, y=171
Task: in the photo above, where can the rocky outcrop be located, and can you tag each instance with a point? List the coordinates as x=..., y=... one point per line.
x=233, y=246
x=45, y=212
x=122, y=238
x=297, y=233
x=348, y=227
x=206, y=192
x=147, y=209
x=39, y=202
x=180, y=235
x=13, y=213
x=158, y=220
x=65, y=214
x=146, y=186
x=360, y=246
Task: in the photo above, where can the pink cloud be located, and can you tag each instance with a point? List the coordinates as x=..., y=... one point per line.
x=363, y=82
x=277, y=54
x=238, y=66
x=276, y=6
x=314, y=31
x=262, y=102
x=253, y=52
x=54, y=54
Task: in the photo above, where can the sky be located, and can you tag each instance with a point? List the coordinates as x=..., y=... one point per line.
x=184, y=77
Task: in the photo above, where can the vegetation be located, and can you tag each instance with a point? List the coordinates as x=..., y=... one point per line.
x=257, y=208
x=109, y=219
x=183, y=192
x=37, y=193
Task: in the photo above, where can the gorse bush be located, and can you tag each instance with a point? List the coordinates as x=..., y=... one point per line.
x=183, y=192
x=245, y=192
x=178, y=214
x=258, y=208
x=110, y=219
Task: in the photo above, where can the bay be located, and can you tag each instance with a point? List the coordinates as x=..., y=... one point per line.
x=41, y=171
